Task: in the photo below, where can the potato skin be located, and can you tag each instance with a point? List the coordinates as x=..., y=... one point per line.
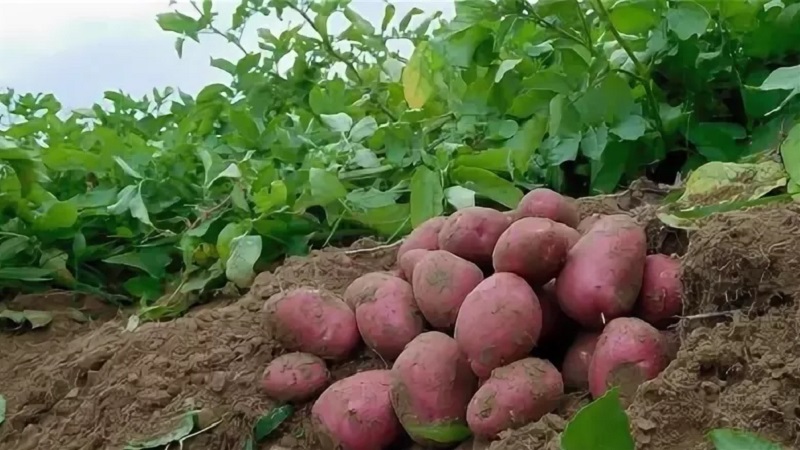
x=471, y=233
x=499, y=323
x=355, y=413
x=440, y=282
x=533, y=248
x=390, y=319
x=570, y=234
x=555, y=324
x=588, y=222
x=313, y=321
x=431, y=386
x=409, y=260
x=603, y=273
x=515, y=395
x=549, y=204
x=660, y=298
x=424, y=237
x=295, y=377
x=575, y=368
x=363, y=288
x=629, y=352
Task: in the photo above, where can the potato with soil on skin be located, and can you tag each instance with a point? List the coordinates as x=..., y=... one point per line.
x=602, y=276
x=313, y=321
x=588, y=222
x=390, y=319
x=441, y=282
x=499, y=323
x=555, y=324
x=471, y=233
x=295, y=377
x=431, y=387
x=575, y=368
x=355, y=413
x=409, y=260
x=363, y=288
x=423, y=237
x=660, y=298
x=515, y=395
x=629, y=352
x=548, y=204
x=533, y=248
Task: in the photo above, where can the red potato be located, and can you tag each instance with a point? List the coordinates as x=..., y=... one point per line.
x=295, y=377
x=312, y=321
x=363, y=288
x=660, y=298
x=440, y=282
x=409, y=260
x=499, y=323
x=471, y=233
x=431, y=387
x=515, y=395
x=575, y=368
x=424, y=237
x=555, y=324
x=629, y=352
x=603, y=273
x=548, y=204
x=390, y=319
x=355, y=413
x=533, y=248
x=588, y=222
x=570, y=234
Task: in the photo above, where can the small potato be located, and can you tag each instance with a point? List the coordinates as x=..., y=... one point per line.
x=431, y=387
x=409, y=260
x=355, y=413
x=424, y=237
x=575, y=367
x=389, y=319
x=603, y=273
x=313, y=321
x=629, y=352
x=499, y=323
x=363, y=288
x=471, y=233
x=440, y=282
x=548, y=204
x=555, y=324
x=660, y=298
x=533, y=248
x=515, y=395
x=295, y=377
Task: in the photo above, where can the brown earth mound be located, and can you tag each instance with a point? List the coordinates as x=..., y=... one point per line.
x=78, y=385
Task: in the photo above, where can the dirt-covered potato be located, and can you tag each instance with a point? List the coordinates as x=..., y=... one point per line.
x=295, y=377
x=409, y=260
x=660, y=299
x=440, y=282
x=575, y=368
x=471, y=233
x=533, y=248
x=363, y=288
x=546, y=203
x=423, y=237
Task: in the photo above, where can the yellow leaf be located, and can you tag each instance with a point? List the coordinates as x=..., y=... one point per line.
x=417, y=77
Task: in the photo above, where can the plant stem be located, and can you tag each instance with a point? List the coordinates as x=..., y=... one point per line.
x=545, y=24
x=219, y=32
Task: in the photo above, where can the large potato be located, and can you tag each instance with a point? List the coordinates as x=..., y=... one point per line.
x=533, y=248
x=660, y=299
x=312, y=321
x=629, y=352
x=499, y=322
x=431, y=387
x=423, y=237
x=515, y=395
x=363, y=288
x=543, y=202
x=472, y=233
x=355, y=413
x=575, y=368
x=295, y=377
x=440, y=282
x=603, y=273
x=390, y=318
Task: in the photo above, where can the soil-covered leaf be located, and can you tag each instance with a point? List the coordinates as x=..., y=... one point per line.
x=183, y=428
x=2, y=409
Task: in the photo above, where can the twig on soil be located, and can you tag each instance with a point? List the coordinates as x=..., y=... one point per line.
x=374, y=249
x=710, y=315
x=180, y=443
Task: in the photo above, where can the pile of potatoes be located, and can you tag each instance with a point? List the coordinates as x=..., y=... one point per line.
x=474, y=295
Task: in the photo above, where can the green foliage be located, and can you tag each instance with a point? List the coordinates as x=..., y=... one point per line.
x=167, y=198
x=725, y=439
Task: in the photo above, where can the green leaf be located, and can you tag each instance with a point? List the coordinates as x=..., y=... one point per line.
x=226, y=236
x=488, y=185
x=563, y=149
x=36, y=319
x=460, y=197
x=152, y=260
x=126, y=168
x=388, y=220
x=57, y=215
x=363, y=129
x=13, y=246
x=325, y=186
x=447, y=433
x=427, y=195
x=271, y=198
x=25, y=274
x=270, y=421
x=138, y=208
x=790, y=152
x=594, y=142
x=635, y=16
x=727, y=439
x=631, y=128
x=244, y=124
x=417, y=77
x=505, y=66
x=607, y=170
x=179, y=23
x=182, y=429
x=245, y=251
x=388, y=15
x=2, y=409
x=600, y=425
x=339, y=122
x=783, y=79
x=687, y=20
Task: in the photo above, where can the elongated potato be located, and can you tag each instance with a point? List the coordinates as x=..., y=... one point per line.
x=389, y=319
x=515, y=395
x=471, y=233
x=295, y=377
x=546, y=203
x=424, y=237
x=603, y=273
x=313, y=321
x=440, y=282
x=499, y=323
x=660, y=299
x=533, y=248
x=431, y=387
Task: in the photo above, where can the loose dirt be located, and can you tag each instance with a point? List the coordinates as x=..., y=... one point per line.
x=92, y=385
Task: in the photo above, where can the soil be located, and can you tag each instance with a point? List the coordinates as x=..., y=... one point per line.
x=79, y=384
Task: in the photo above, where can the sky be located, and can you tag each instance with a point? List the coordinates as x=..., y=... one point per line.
x=77, y=49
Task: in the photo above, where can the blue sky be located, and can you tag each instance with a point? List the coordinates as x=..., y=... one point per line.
x=77, y=49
